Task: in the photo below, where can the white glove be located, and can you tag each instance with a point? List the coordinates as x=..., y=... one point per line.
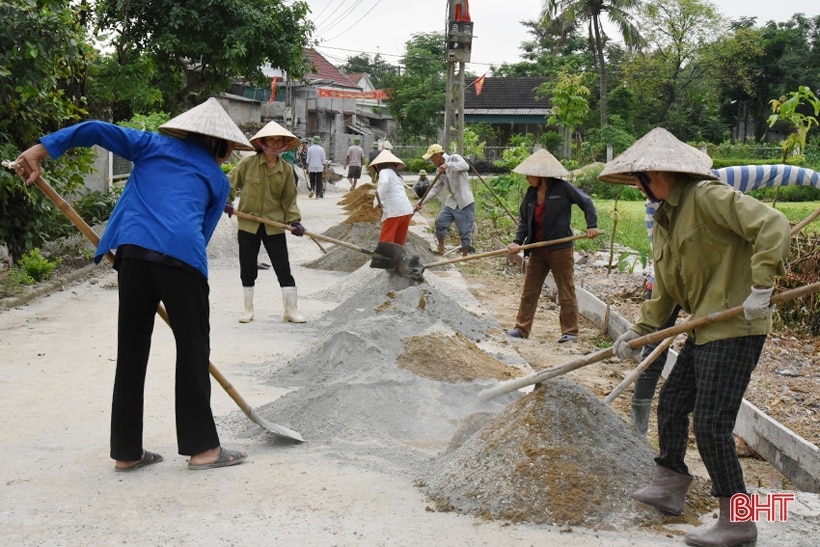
x=758, y=303
x=622, y=349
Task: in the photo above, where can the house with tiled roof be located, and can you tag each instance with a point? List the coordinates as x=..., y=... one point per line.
x=327, y=103
x=508, y=104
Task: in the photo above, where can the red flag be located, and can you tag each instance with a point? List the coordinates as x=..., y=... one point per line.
x=463, y=11
x=479, y=84
x=273, y=88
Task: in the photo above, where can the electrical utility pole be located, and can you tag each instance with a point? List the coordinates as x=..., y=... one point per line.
x=459, y=45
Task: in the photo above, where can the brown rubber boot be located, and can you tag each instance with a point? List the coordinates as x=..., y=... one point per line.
x=441, y=246
x=725, y=533
x=666, y=492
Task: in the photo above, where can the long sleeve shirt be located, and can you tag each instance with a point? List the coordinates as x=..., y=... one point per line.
x=315, y=158
x=555, y=222
x=456, y=181
x=173, y=198
x=264, y=192
x=393, y=195
x=710, y=245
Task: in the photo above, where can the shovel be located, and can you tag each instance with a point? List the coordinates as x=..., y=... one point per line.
x=78, y=221
x=411, y=267
x=385, y=256
x=657, y=336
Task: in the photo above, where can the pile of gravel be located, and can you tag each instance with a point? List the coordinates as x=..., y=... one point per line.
x=556, y=456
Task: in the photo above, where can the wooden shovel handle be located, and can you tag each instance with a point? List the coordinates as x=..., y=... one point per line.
x=504, y=251
x=634, y=373
x=657, y=336
x=270, y=222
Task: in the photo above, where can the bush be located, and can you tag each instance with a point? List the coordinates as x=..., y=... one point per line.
x=95, y=207
x=788, y=193
x=35, y=266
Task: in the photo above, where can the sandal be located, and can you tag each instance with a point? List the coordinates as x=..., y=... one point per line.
x=147, y=459
x=226, y=458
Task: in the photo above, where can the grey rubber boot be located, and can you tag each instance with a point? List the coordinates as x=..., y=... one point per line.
x=291, y=313
x=641, y=408
x=247, y=317
x=725, y=533
x=666, y=492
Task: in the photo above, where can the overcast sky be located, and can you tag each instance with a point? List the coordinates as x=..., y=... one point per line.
x=350, y=27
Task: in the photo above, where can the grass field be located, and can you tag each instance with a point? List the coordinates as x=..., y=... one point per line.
x=630, y=229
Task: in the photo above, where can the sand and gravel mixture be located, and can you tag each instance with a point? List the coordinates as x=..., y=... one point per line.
x=391, y=383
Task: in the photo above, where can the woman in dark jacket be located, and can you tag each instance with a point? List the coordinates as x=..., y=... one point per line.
x=546, y=212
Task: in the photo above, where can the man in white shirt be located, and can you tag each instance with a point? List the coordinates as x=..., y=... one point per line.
x=459, y=207
x=316, y=167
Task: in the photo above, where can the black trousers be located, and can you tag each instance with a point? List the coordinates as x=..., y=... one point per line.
x=142, y=286
x=277, y=248
x=316, y=183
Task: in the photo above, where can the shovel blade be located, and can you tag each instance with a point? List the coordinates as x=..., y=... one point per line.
x=411, y=266
x=387, y=256
x=276, y=429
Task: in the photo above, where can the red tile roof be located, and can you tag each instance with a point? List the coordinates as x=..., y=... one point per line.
x=326, y=71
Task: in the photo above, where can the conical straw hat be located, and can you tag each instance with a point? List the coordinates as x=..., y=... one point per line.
x=658, y=150
x=541, y=164
x=208, y=118
x=273, y=129
x=386, y=156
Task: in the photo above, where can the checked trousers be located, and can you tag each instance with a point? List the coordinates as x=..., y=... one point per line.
x=708, y=381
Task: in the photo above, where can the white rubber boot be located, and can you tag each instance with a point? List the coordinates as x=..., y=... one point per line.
x=289, y=300
x=248, y=294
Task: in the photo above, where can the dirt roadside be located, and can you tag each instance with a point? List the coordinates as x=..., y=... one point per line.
x=59, y=487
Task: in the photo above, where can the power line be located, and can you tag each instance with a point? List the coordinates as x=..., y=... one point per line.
x=358, y=20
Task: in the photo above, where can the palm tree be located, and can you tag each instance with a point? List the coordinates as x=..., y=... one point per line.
x=564, y=16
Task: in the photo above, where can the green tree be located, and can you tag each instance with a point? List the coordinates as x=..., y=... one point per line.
x=565, y=16
x=43, y=55
x=199, y=47
x=570, y=106
x=786, y=109
x=734, y=62
x=417, y=94
x=377, y=68
x=677, y=32
x=43, y=52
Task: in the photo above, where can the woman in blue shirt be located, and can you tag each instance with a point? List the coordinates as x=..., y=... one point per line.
x=159, y=229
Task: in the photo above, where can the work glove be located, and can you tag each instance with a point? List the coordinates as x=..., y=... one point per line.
x=298, y=229
x=758, y=303
x=622, y=348
x=229, y=210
